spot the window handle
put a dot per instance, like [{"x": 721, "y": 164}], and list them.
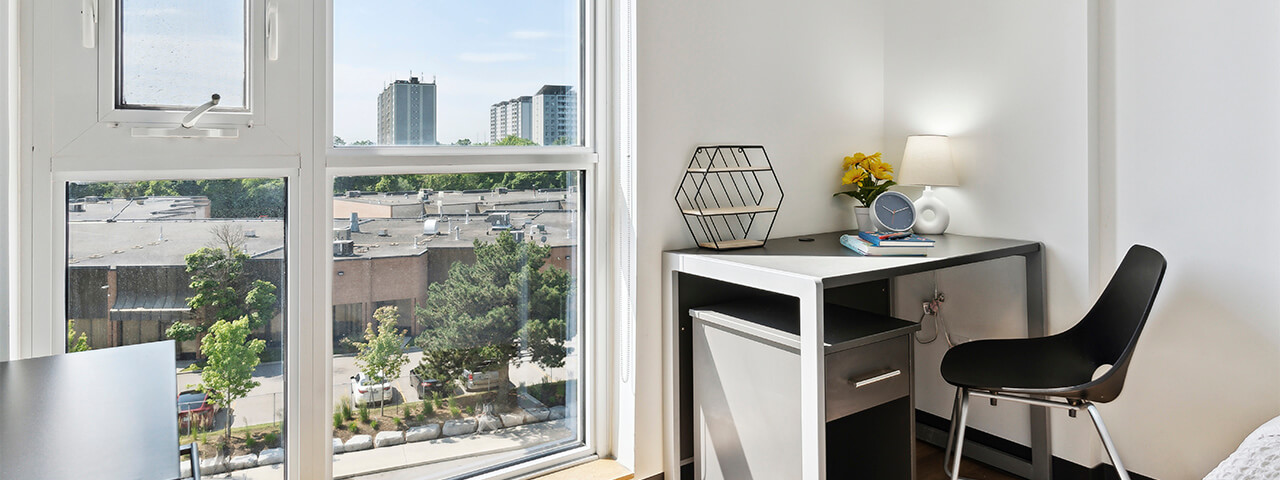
[
  {"x": 273, "y": 31},
  {"x": 89, "y": 23},
  {"x": 193, "y": 117}
]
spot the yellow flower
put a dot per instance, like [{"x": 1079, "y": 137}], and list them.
[
  {"x": 854, "y": 175},
  {"x": 878, "y": 168},
  {"x": 854, "y": 160}
]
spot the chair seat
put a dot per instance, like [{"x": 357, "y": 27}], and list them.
[{"x": 1037, "y": 366}]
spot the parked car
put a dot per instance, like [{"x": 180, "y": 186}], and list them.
[
  {"x": 426, "y": 385},
  {"x": 364, "y": 390},
  {"x": 486, "y": 377},
  {"x": 194, "y": 405}
]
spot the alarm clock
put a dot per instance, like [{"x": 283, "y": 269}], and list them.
[{"x": 893, "y": 211}]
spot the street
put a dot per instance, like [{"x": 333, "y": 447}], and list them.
[{"x": 265, "y": 403}]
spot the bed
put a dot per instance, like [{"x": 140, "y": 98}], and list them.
[{"x": 1257, "y": 457}]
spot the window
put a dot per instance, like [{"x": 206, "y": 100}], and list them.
[
  {"x": 472, "y": 281},
  {"x": 177, "y": 54},
  {"x": 407, "y": 72},
  {"x": 293, "y": 76},
  {"x": 201, "y": 263}
]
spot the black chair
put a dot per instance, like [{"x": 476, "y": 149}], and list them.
[{"x": 1062, "y": 365}]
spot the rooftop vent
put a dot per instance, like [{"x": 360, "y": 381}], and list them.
[
  {"x": 382, "y": 232},
  {"x": 519, "y": 234},
  {"x": 251, "y": 233},
  {"x": 431, "y": 227},
  {"x": 342, "y": 233},
  {"x": 344, "y": 248},
  {"x": 355, "y": 222},
  {"x": 423, "y": 195},
  {"x": 353, "y": 194},
  {"x": 499, "y": 220},
  {"x": 91, "y": 199},
  {"x": 75, "y": 207}
]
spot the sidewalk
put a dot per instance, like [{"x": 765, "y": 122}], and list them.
[{"x": 469, "y": 448}]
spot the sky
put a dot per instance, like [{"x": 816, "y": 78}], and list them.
[{"x": 479, "y": 52}]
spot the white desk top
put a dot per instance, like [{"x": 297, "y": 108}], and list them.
[{"x": 826, "y": 260}]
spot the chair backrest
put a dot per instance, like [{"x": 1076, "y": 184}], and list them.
[{"x": 1109, "y": 332}]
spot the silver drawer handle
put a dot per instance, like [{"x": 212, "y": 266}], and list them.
[{"x": 877, "y": 378}]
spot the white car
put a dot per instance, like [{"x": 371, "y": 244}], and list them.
[{"x": 364, "y": 390}]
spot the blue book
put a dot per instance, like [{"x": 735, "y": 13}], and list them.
[
  {"x": 895, "y": 239},
  {"x": 864, "y": 247}
]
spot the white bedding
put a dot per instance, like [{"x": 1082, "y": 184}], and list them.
[{"x": 1257, "y": 458}]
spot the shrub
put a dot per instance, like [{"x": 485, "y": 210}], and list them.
[
  {"x": 374, "y": 425},
  {"x": 250, "y": 442},
  {"x": 422, "y": 417},
  {"x": 337, "y": 419},
  {"x": 271, "y": 439},
  {"x": 400, "y": 424},
  {"x": 404, "y": 411},
  {"x": 346, "y": 408},
  {"x": 364, "y": 413},
  {"x": 471, "y": 410},
  {"x": 453, "y": 410},
  {"x": 426, "y": 407},
  {"x": 353, "y": 428}
]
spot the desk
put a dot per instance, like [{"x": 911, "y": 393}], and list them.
[
  {"x": 108, "y": 413},
  {"x": 807, "y": 271}
]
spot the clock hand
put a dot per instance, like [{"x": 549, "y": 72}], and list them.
[
  {"x": 900, "y": 209},
  {"x": 886, "y": 209}
]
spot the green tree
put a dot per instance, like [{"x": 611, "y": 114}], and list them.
[
  {"x": 181, "y": 331},
  {"x": 231, "y": 357},
  {"x": 513, "y": 140},
  {"x": 222, "y": 290},
  {"x": 338, "y": 141},
  {"x": 463, "y": 141},
  {"x": 363, "y": 142},
  {"x": 74, "y": 343},
  {"x": 381, "y": 355},
  {"x": 477, "y": 316}
]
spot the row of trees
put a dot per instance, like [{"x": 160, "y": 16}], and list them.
[{"x": 228, "y": 198}]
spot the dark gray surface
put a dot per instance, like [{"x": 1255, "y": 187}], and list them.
[{"x": 101, "y": 414}]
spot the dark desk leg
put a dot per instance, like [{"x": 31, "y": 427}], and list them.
[{"x": 1038, "y": 326}]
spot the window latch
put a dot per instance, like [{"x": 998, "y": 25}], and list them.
[
  {"x": 188, "y": 124},
  {"x": 193, "y": 117},
  {"x": 89, "y": 23}
]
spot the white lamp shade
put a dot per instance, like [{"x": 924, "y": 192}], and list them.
[{"x": 927, "y": 161}]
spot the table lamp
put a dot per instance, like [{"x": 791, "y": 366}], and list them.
[{"x": 927, "y": 161}]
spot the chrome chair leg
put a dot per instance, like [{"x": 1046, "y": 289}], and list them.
[
  {"x": 957, "y": 425},
  {"x": 1106, "y": 440}
]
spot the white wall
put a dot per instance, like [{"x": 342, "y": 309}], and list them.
[
  {"x": 802, "y": 78},
  {"x": 1008, "y": 81},
  {"x": 1196, "y": 150}
]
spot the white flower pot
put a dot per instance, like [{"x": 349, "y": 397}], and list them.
[{"x": 862, "y": 216}]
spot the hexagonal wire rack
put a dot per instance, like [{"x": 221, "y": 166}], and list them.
[{"x": 724, "y": 190}]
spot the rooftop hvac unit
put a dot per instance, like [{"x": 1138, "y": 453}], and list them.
[
  {"x": 423, "y": 195},
  {"x": 353, "y": 194},
  {"x": 251, "y": 233},
  {"x": 75, "y": 207},
  {"x": 382, "y": 232},
  {"x": 431, "y": 227},
  {"x": 344, "y": 248},
  {"x": 342, "y": 234},
  {"x": 519, "y": 234},
  {"x": 502, "y": 219},
  {"x": 541, "y": 227},
  {"x": 91, "y": 199}
]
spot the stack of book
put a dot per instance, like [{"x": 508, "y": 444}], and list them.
[{"x": 894, "y": 244}]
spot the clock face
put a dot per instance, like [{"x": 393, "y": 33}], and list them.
[{"x": 894, "y": 211}]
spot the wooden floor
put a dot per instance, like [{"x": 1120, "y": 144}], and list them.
[{"x": 929, "y": 466}]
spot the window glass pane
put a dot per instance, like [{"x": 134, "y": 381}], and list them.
[
  {"x": 414, "y": 72},
  {"x": 201, "y": 262},
  {"x": 178, "y": 54},
  {"x": 457, "y": 320}
]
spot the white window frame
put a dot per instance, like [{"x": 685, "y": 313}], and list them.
[{"x": 63, "y": 136}]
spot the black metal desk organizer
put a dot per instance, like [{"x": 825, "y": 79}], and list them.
[{"x": 724, "y": 190}]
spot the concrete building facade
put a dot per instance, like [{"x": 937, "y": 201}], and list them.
[
  {"x": 407, "y": 113},
  {"x": 555, "y": 115},
  {"x": 511, "y": 117}
]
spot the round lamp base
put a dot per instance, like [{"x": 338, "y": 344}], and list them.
[{"x": 932, "y": 216}]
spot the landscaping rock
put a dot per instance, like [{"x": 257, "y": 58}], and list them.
[
  {"x": 212, "y": 466},
  {"x": 425, "y": 432},
  {"x": 387, "y": 439},
  {"x": 453, "y": 428},
  {"x": 270, "y": 456},
  {"x": 242, "y": 462},
  {"x": 557, "y": 412},
  {"x": 512, "y": 419},
  {"x": 357, "y": 443},
  {"x": 536, "y": 414},
  {"x": 337, "y": 446},
  {"x": 488, "y": 423}
]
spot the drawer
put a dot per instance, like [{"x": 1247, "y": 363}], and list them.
[{"x": 872, "y": 365}]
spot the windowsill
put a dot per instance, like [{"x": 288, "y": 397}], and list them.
[{"x": 597, "y": 470}]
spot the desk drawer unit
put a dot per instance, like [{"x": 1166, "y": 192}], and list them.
[{"x": 746, "y": 383}]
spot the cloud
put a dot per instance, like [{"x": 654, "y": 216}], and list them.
[
  {"x": 530, "y": 35},
  {"x": 494, "y": 57}
]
